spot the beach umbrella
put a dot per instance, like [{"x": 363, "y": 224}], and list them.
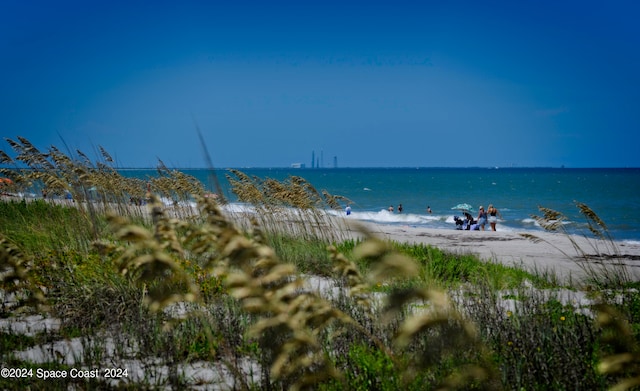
[{"x": 463, "y": 207}]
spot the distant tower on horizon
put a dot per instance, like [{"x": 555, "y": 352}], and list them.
[
  {"x": 313, "y": 159},
  {"x": 335, "y": 162}
]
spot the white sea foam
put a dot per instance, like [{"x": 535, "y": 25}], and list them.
[
  {"x": 386, "y": 217},
  {"x": 450, "y": 219},
  {"x": 530, "y": 221},
  {"x": 239, "y": 208}
]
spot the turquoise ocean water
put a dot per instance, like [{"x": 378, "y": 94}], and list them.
[{"x": 614, "y": 194}]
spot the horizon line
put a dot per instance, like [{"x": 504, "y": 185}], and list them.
[{"x": 379, "y": 167}]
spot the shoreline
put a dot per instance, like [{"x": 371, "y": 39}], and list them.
[{"x": 555, "y": 253}]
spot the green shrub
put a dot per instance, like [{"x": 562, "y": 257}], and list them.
[
  {"x": 366, "y": 368},
  {"x": 540, "y": 344}
]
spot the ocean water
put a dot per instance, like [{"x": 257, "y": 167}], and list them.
[{"x": 614, "y": 194}]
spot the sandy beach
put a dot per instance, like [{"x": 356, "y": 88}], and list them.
[{"x": 555, "y": 254}]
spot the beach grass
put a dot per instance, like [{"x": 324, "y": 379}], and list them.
[{"x": 169, "y": 287}]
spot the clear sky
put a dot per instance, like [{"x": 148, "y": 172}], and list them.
[{"x": 374, "y": 83}]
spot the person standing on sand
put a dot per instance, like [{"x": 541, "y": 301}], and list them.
[
  {"x": 482, "y": 217},
  {"x": 493, "y": 219},
  {"x": 348, "y": 210}
]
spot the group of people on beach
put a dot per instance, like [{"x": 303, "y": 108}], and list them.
[{"x": 488, "y": 216}]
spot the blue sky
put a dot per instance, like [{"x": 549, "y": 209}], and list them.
[{"x": 375, "y": 84}]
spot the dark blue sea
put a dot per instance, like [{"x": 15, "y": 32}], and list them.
[{"x": 614, "y": 194}]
